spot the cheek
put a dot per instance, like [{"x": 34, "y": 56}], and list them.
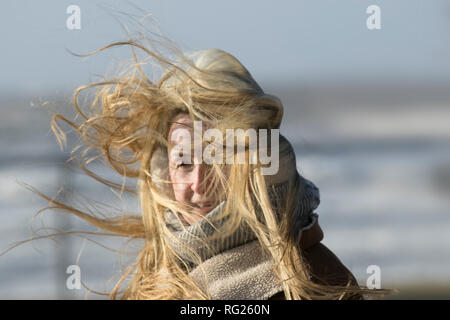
[{"x": 180, "y": 189}]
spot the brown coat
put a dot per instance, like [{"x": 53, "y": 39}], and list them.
[{"x": 324, "y": 264}]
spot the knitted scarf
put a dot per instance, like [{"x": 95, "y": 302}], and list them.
[{"x": 236, "y": 267}]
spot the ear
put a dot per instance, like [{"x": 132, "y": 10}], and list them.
[
  {"x": 269, "y": 110},
  {"x": 287, "y": 163}
]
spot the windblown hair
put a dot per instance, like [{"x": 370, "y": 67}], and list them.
[{"x": 128, "y": 125}]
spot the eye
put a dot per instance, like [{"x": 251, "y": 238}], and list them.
[{"x": 182, "y": 165}]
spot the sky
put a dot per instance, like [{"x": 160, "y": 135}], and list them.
[{"x": 320, "y": 41}]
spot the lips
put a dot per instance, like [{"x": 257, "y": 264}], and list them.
[{"x": 203, "y": 207}]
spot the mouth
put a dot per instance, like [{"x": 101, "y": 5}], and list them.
[{"x": 203, "y": 207}]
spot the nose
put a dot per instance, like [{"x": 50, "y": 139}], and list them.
[{"x": 198, "y": 185}]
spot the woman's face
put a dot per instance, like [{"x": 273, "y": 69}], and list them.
[{"x": 189, "y": 186}]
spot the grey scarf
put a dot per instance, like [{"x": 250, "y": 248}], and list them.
[{"x": 194, "y": 236}]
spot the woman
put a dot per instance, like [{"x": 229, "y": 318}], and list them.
[
  {"x": 237, "y": 269},
  {"x": 213, "y": 229}
]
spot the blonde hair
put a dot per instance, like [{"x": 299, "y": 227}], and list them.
[{"x": 128, "y": 124}]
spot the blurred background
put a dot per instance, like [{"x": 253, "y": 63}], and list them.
[{"x": 367, "y": 110}]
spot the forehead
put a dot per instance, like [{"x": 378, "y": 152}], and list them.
[{"x": 181, "y": 125}]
